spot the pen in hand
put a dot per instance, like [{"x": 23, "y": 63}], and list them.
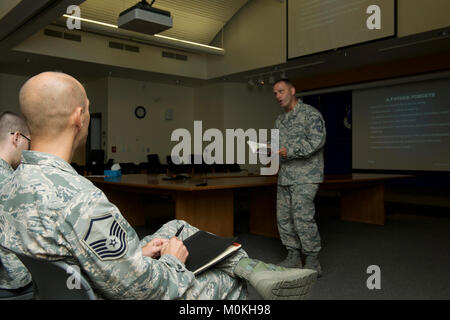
[
  {"x": 175, "y": 247},
  {"x": 179, "y": 231}
]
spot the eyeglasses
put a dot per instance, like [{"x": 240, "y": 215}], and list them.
[{"x": 22, "y": 135}]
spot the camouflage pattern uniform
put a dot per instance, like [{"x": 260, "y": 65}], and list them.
[
  {"x": 5, "y": 170},
  {"x": 13, "y": 274},
  {"x": 302, "y": 133},
  {"x": 49, "y": 211}
]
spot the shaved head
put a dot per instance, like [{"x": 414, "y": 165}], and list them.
[{"x": 48, "y": 100}]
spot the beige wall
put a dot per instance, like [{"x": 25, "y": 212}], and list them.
[
  {"x": 209, "y": 105},
  {"x": 229, "y": 105},
  {"x": 254, "y": 38},
  {"x": 415, "y": 16},
  {"x": 249, "y": 108},
  {"x": 135, "y": 138},
  {"x": 9, "y": 91},
  {"x": 95, "y": 48}
]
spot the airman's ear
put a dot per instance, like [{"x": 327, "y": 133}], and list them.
[
  {"x": 77, "y": 117},
  {"x": 293, "y": 91},
  {"x": 15, "y": 138}
]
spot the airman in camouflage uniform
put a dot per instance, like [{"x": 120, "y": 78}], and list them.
[
  {"x": 13, "y": 131},
  {"x": 302, "y": 137},
  {"x": 59, "y": 214},
  {"x": 49, "y": 211}
]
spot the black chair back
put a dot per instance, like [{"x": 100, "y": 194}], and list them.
[
  {"x": 129, "y": 168},
  {"x": 153, "y": 159},
  {"x": 153, "y": 164},
  {"x": 55, "y": 280},
  {"x": 52, "y": 280}
]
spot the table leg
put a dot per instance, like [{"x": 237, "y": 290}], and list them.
[
  {"x": 208, "y": 210},
  {"x": 363, "y": 204}
]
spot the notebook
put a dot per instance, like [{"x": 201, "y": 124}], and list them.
[{"x": 206, "y": 250}]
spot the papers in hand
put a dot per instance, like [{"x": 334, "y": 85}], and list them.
[{"x": 258, "y": 147}]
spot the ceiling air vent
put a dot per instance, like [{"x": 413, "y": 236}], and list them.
[
  {"x": 181, "y": 57},
  {"x": 121, "y": 46},
  {"x": 72, "y": 37},
  {"x": 62, "y": 35},
  {"x": 171, "y": 55},
  {"x": 132, "y": 48},
  {"x": 53, "y": 33},
  {"x": 116, "y": 45}
]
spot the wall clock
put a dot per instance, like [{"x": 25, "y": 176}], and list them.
[{"x": 140, "y": 112}]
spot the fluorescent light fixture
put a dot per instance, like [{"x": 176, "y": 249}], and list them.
[
  {"x": 91, "y": 21},
  {"x": 156, "y": 35},
  {"x": 188, "y": 42}
]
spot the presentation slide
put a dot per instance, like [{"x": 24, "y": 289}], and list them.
[
  {"x": 321, "y": 25},
  {"x": 402, "y": 127}
]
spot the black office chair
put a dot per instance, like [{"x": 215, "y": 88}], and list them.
[
  {"x": 109, "y": 164},
  {"x": 219, "y": 168},
  {"x": 177, "y": 168},
  {"x": 50, "y": 280},
  {"x": 227, "y": 168},
  {"x": 96, "y": 161},
  {"x": 233, "y": 167},
  {"x": 201, "y": 167},
  {"x": 129, "y": 168},
  {"x": 153, "y": 164}
]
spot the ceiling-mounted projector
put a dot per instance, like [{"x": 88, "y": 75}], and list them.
[{"x": 143, "y": 18}]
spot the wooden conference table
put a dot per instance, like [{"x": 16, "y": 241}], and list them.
[{"x": 210, "y": 207}]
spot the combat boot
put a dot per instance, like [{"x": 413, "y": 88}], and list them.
[
  {"x": 276, "y": 283},
  {"x": 293, "y": 260},
  {"x": 312, "y": 262}
]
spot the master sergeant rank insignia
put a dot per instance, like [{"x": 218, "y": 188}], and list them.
[{"x": 114, "y": 246}]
